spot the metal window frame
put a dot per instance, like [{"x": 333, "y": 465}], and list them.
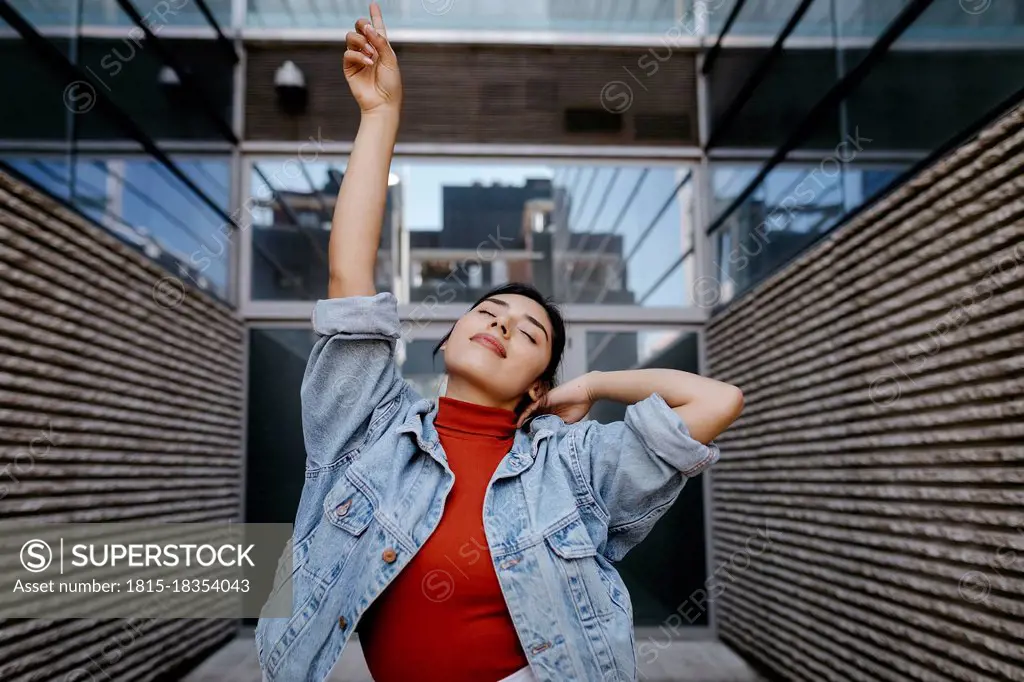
[
  {"x": 756, "y": 155},
  {"x": 482, "y": 152},
  {"x": 580, "y": 318},
  {"x": 116, "y": 32},
  {"x": 250, "y": 308},
  {"x": 597, "y": 41},
  {"x": 543, "y": 38},
  {"x": 120, "y": 147}
]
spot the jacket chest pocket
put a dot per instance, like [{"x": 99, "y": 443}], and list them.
[
  {"x": 348, "y": 512},
  {"x": 575, "y": 555}
]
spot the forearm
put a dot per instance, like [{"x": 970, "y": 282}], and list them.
[
  {"x": 706, "y": 406},
  {"x": 631, "y": 386},
  {"x": 359, "y": 212}
]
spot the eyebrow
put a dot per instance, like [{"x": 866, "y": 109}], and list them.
[{"x": 531, "y": 318}]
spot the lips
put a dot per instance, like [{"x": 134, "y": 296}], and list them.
[{"x": 490, "y": 342}]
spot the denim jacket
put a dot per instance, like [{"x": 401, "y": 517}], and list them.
[{"x": 564, "y": 504}]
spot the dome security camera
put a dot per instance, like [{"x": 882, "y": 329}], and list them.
[
  {"x": 170, "y": 85},
  {"x": 290, "y": 83},
  {"x": 168, "y": 77}
]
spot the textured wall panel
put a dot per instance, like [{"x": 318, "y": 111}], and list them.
[
  {"x": 493, "y": 94},
  {"x": 115, "y": 404},
  {"x": 883, "y": 440}
]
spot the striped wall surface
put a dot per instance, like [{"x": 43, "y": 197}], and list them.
[
  {"x": 120, "y": 400},
  {"x": 882, "y": 445}
]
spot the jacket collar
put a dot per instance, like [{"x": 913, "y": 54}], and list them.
[{"x": 419, "y": 422}]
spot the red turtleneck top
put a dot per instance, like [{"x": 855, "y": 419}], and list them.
[{"x": 443, "y": 617}]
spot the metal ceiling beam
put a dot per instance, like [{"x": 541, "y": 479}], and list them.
[
  {"x": 72, "y": 74},
  {"x": 838, "y": 92},
  {"x": 756, "y": 77},
  {"x": 712, "y": 55}
]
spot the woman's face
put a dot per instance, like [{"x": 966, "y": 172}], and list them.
[{"x": 501, "y": 346}]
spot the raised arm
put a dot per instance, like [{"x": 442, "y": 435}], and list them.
[
  {"x": 371, "y": 70},
  {"x": 352, "y": 373},
  {"x": 706, "y": 406},
  {"x": 636, "y": 468}
]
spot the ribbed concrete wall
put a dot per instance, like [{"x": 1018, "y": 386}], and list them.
[
  {"x": 115, "y": 404},
  {"x": 882, "y": 444}
]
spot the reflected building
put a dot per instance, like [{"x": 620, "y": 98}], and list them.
[
  {"x": 291, "y": 236},
  {"x": 498, "y": 233}
]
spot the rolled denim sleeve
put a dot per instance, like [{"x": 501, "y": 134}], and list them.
[
  {"x": 350, "y": 373},
  {"x": 637, "y": 468}
]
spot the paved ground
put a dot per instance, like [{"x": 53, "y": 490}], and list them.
[{"x": 689, "y": 661}]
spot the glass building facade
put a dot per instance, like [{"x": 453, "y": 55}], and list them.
[
  {"x": 596, "y": 234},
  {"x": 135, "y": 113}
]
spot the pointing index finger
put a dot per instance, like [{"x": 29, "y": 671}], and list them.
[{"x": 377, "y": 19}]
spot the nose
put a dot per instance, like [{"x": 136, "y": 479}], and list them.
[{"x": 503, "y": 324}]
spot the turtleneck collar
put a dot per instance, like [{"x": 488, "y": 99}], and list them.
[{"x": 477, "y": 420}]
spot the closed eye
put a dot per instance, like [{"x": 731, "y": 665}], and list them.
[
  {"x": 487, "y": 312},
  {"x": 532, "y": 340}
]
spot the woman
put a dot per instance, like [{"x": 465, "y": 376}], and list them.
[{"x": 471, "y": 537}]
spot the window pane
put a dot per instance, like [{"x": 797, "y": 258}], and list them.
[
  {"x": 144, "y": 87},
  {"x": 790, "y": 209},
  {"x": 590, "y": 234},
  {"x": 56, "y": 13},
  {"x": 637, "y": 16},
  {"x": 144, "y": 204},
  {"x": 275, "y": 449},
  {"x": 291, "y": 207},
  {"x": 986, "y": 20},
  {"x": 454, "y": 229}
]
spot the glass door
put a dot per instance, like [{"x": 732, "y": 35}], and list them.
[{"x": 668, "y": 568}]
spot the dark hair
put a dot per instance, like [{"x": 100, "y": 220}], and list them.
[{"x": 547, "y": 377}]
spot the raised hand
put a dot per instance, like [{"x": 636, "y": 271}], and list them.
[
  {"x": 371, "y": 67},
  {"x": 571, "y": 402}
]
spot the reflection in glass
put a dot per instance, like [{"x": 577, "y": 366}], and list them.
[
  {"x": 767, "y": 115},
  {"x": 891, "y": 111},
  {"x": 790, "y": 209},
  {"x": 56, "y": 13},
  {"x": 453, "y": 230},
  {"x": 128, "y": 192},
  {"x": 291, "y": 208},
  {"x": 993, "y": 21},
  {"x": 140, "y": 201},
  {"x": 636, "y": 16},
  {"x": 594, "y": 234}
]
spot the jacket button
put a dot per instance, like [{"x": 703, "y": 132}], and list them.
[
  {"x": 342, "y": 623},
  {"x": 389, "y": 555}
]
